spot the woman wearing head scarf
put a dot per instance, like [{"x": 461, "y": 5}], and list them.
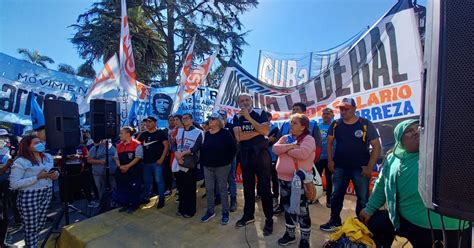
[
  {"x": 31, "y": 174},
  {"x": 406, "y": 215},
  {"x": 295, "y": 153}
]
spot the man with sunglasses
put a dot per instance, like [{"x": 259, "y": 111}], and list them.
[{"x": 352, "y": 161}]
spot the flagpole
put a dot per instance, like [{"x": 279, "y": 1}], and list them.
[{"x": 194, "y": 105}]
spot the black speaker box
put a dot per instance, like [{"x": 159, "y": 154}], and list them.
[
  {"x": 446, "y": 177},
  {"x": 61, "y": 124},
  {"x": 105, "y": 119}
]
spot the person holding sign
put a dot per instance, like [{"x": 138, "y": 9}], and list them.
[{"x": 250, "y": 128}]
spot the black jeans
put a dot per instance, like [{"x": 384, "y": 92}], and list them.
[
  {"x": 384, "y": 233},
  {"x": 186, "y": 184},
  {"x": 4, "y": 194},
  {"x": 275, "y": 181},
  {"x": 323, "y": 165},
  {"x": 167, "y": 174},
  {"x": 256, "y": 161}
]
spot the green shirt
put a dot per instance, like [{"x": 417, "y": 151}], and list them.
[{"x": 397, "y": 185}]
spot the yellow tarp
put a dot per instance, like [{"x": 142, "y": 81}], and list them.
[{"x": 356, "y": 231}]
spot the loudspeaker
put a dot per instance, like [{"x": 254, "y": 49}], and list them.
[
  {"x": 446, "y": 176},
  {"x": 61, "y": 124},
  {"x": 105, "y": 119}
]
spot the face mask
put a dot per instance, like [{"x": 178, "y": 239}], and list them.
[
  {"x": 40, "y": 147},
  {"x": 3, "y": 143}
]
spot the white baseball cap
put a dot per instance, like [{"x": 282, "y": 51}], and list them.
[{"x": 3, "y": 132}]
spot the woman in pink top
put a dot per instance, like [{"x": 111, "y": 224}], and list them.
[{"x": 296, "y": 149}]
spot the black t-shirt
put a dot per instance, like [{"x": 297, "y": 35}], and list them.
[
  {"x": 218, "y": 149},
  {"x": 260, "y": 116},
  {"x": 352, "y": 142},
  {"x": 229, "y": 126},
  {"x": 153, "y": 145}
]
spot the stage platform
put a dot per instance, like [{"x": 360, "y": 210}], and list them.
[{"x": 150, "y": 227}]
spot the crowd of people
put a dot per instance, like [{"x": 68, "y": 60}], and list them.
[{"x": 275, "y": 162}]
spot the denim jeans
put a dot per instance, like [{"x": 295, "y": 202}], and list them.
[
  {"x": 340, "y": 179},
  {"x": 150, "y": 170},
  {"x": 231, "y": 180},
  {"x": 101, "y": 182},
  {"x": 217, "y": 176}
]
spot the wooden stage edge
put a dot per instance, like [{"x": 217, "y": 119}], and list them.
[{"x": 151, "y": 227}]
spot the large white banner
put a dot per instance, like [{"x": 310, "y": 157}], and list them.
[
  {"x": 382, "y": 71},
  {"x": 20, "y": 80}
]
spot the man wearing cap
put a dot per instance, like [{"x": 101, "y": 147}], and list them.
[
  {"x": 322, "y": 164},
  {"x": 352, "y": 160},
  {"x": 155, "y": 147}
]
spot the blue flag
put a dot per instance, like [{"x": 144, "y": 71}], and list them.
[
  {"x": 37, "y": 117},
  {"x": 132, "y": 116},
  {"x": 148, "y": 109}
]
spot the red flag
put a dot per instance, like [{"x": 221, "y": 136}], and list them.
[{"x": 143, "y": 91}]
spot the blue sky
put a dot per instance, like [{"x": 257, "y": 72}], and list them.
[{"x": 287, "y": 26}]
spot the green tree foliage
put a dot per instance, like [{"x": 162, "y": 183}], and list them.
[
  {"x": 86, "y": 70},
  {"x": 98, "y": 37},
  {"x": 66, "y": 69},
  {"x": 162, "y": 32}
]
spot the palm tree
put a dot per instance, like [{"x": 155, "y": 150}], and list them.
[{"x": 35, "y": 57}]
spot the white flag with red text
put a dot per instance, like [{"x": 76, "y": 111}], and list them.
[
  {"x": 184, "y": 74},
  {"x": 192, "y": 80},
  {"x": 128, "y": 77},
  {"x": 107, "y": 80},
  {"x": 197, "y": 77}
]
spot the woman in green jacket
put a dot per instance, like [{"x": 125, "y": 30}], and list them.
[{"x": 406, "y": 215}]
